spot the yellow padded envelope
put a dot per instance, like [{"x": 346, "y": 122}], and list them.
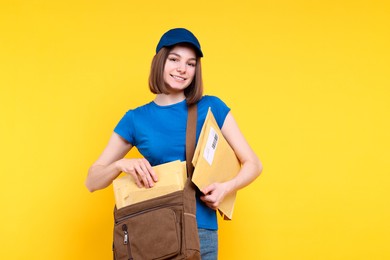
[
  {"x": 215, "y": 161},
  {"x": 171, "y": 177}
]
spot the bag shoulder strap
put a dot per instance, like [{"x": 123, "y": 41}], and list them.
[{"x": 190, "y": 137}]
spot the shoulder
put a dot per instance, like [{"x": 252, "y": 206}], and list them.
[
  {"x": 132, "y": 114},
  {"x": 140, "y": 109},
  {"x": 213, "y": 102},
  {"x": 128, "y": 124},
  {"x": 217, "y": 106},
  {"x": 210, "y": 98}
]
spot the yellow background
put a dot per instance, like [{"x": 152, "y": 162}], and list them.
[{"x": 308, "y": 83}]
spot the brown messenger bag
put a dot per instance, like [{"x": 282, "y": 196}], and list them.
[{"x": 164, "y": 227}]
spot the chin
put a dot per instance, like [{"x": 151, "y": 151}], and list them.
[{"x": 178, "y": 88}]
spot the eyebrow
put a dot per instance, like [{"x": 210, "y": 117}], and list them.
[{"x": 180, "y": 56}]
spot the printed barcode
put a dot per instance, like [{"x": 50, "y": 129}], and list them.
[
  {"x": 215, "y": 141},
  {"x": 211, "y": 146}
]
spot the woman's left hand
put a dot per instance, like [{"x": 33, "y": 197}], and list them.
[{"x": 215, "y": 193}]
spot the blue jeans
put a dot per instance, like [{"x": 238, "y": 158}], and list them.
[{"x": 208, "y": 244}]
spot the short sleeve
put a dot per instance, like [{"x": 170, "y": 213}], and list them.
[
  {"x": 219, "y": 109},
  {"x": 125, "y": 127}
]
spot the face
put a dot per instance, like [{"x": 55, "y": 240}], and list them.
[{"x": 179, "y": 69}]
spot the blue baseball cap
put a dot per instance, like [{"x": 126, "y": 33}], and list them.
[{"x": 179, "y": 35}]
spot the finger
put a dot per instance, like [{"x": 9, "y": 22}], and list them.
[
  {"x": 143, "y": 176},
  {"x": 210, "y": 200},
  {"x": 137, "y": 180},
  {"x": 208, "y": 189},
  {"x": 147, "y": 174},
  {"x": 151, "y": 175},
  {"x": 150, "y": 170},
  {"x": 210, "y": 205},
  {"x": 207, "y": 199},
  {"x": 133, "y": 174}
]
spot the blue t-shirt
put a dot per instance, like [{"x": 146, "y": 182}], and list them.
[{"x": 159, "y": 133}]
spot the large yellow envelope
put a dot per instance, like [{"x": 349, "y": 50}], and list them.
[
  {"x": 171, "y": 177},
  {"x": 215, "y": 161}
]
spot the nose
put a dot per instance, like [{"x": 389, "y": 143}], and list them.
[{"x": 181, "y": 67}]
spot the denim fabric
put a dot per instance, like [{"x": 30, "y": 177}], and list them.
[{"x": 208, "y": 244}]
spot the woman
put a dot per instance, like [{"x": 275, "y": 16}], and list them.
[{"x": 158, "y": 130}]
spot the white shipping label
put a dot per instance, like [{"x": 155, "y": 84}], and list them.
[{"x": 211, "y": 146}]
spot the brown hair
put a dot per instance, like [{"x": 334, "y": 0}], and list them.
[{"x": 193, "y": 92}]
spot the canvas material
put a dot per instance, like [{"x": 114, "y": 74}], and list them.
[{"x": 164, "y": 227}]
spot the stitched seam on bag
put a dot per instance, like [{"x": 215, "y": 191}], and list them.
[{"x": 189, "y": 214}]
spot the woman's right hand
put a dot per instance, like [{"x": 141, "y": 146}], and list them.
[
  {"x": 112, "y": 162},
  {"x": 140, "y": 169}
]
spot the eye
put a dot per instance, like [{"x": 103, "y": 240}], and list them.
[
  {"x": 172, "y": 59},
  {"x": 192, "y": 64}
]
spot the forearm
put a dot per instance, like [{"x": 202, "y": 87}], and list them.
[
  {"x": 251, "y": 166},
  {"x": 106, "y": 168},
  {"x": 249, "y": 171},
  {"x": 101, "y": 176}
]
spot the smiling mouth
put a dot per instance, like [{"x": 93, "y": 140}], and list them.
[{"x": 178, "y": 78}]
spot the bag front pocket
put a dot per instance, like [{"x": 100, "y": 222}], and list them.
[
  {"x": 191, "y": 237},
  {"x": 153, "y": 234}
]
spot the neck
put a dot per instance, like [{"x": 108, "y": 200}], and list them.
[{"x": 169, "y": 99}]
